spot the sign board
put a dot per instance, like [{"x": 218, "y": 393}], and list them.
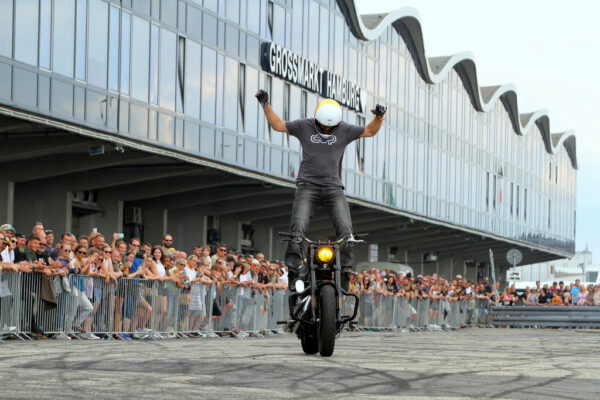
[
  {"x": 514, "y": 276},
  {"x": 301, "y": 71},
  {"x": 514, "y": 256},
  {"x": 373, "y": 252}
]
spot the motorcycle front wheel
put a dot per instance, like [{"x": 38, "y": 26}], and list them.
[{"x": 327, "y": 321}]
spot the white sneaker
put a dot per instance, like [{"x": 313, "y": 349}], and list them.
[
  {"x": 91, "y": 336},
  {"x": 8, "y": 329}
]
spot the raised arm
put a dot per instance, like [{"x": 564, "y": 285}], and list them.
[
  {"x": 274, "y": 120},
  {"x": 373, "y": 127}
]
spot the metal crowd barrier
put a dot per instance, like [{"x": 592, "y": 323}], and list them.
[
  {"x": 89, "y": 307},
  {"x": 546, "y": 316},
  {"x": 380, "y": 312}
]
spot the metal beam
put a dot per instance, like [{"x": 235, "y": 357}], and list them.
[
  {"x": 110, "y": 177},
  {"x": 34, "y": 149},
  {"x": 48, "y": 167},
  {"x": 212, "y": 197},
  {"x": 266, "y": 216},
  {"x": 169, "y": 186},
  {"x": 252, "y": 203}
]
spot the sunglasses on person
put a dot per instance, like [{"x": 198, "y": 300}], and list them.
[
  {"x": 221, "y": 249},
  {"x": 107, "y": 251},
  {"x": 81, "y": 252}
]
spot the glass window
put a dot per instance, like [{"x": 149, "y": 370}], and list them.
[
  {"x": 232, "y": 12},
  {"x": 168, "y": 57},
  {"x": 220, "y": 75},
  {"x": 45, "y": 33},
  {"x": 140, "y": 53},
  {"x": 192, "y": 79},
  {"x": 98, "y": 43},
  {"x": 278, "y": 24},
  {"x": 251, "y": 112},
  {"x": 154, "y": 57},
  {"x": 241, "y": 96},
  {"x": 324, "y": 37},
  {"x": 80, "y": 34},
  {"x": 125, "y": 51},
  {"x": 231, "y": 39},
  {"x": 230, "y": 92},
  {"x": 212, "y": 5},
  {"x": 209, "y": 84},
  {"x": 63, "y": 40},
  {"x": 168, "y": 13},
  {"x": 113, "y": 50},
  {"x": 26, "y": 31},
  {"x": 6, "y": 19},
  {"x": 313, "y": 32},
  {"x": 209, "y": 29},
  {"x": 180, "y": 83},
  {"x": 254, "y": 18},
  {"x": 297, "y": 27}
]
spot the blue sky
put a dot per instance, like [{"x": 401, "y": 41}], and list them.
[{"x": 550, "y": 50}]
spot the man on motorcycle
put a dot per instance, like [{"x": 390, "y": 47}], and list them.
[{"x": 323, "y": 139}]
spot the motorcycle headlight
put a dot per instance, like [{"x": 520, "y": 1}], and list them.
[{"x": 325, "y": 254}]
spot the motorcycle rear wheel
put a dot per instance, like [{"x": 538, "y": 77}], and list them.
[{"x": 327, "y": 321}]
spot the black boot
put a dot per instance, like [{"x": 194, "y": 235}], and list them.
[
  {"x": 295, "y": 273},
  {"x": 345, "y": 275}
]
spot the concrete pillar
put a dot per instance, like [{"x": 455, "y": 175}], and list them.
[
  {"x": 231, "y": 231},
  {"x": 44, "y": 201},
  {"x": 7, "y": 201},
  {"x": 265, "y": 240},
  {"x": 188, "y": 227}
]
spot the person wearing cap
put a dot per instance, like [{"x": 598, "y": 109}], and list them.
[
  {"x": 323, "y": 139},
  {"x": 8, "y": 253}
]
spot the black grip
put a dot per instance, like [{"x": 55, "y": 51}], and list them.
[
  {"x": 286, "y": 234},
  {"x": 360, "y": 235}
]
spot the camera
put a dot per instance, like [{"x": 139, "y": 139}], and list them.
[{"x": 120, "y": 235}]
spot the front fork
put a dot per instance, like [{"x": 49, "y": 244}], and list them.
[{"x": 314, "y": 287}]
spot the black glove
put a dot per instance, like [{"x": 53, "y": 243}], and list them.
[
  {"x": 263, "y": 97},
  {"x": 379, "y": 110}
]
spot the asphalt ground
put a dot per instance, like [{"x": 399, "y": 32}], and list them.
[{"x": 470, "y": 363}]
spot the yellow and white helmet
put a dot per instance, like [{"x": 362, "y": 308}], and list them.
[{"x": 328, "y": 113}]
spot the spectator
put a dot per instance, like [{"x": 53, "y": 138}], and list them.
[
  {"x": 7, "y": 264},
  {"x": 134, "y": 245},
  {"x": 147, "y": 247},
  {"x": 167, "y": 244},
  {"x": 38, "y": 230},
  {"x": 596, "y": 297},
  {"x": 84, "y": 241},
  {"x": 220, "y": 253},
  {"x": 545, "y": 297},
  {"x": 49, "y": 238},
  {"x": 575, "y": 291},
  {"x": 582, "y": 296}
]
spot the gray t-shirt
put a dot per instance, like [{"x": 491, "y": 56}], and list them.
[{"x": 322, "y": 158}]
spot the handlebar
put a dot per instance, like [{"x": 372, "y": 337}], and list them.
[{"x": 347, "y": 239}]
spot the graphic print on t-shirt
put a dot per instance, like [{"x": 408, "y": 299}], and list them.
[{"x": 316, "y": 138}]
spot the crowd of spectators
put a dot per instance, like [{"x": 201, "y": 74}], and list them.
[
  {"x": 111, "y": 260},
  {"x": 434, "y": 287},
  {"x": 114, "y": 258}
]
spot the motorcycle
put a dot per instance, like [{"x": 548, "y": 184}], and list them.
[{"x": 316, "y": 301}]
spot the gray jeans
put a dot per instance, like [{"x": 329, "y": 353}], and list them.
[{"x": 308, "y": 197}]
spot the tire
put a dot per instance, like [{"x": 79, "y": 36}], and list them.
[
  {"x": 327, "y": 321},
  {"x": 310, "y": 344}
]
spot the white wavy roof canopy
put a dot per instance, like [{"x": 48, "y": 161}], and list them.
[{"x": 434, "y": 69}]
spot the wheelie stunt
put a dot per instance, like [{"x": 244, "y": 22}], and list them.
[{"x": 323, "y": 139}]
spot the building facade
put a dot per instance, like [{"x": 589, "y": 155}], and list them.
[{"x": 177, "y": 78}]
